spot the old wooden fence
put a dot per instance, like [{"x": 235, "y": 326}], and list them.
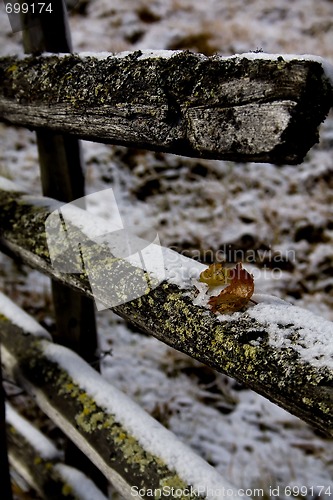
[{"x": 250, "y": 107}]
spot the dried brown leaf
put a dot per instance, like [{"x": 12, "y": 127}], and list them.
[{"x": 236, "y": 295}]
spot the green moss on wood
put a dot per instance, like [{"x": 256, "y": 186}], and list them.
[{"x": 125, "y": 448}]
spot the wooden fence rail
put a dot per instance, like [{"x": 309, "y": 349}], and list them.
[
  {"x": 134, "y": 451},
  {"x": 40, "y": 463},
  {"x": 242, "y": 108},
  {"x": 279, "y": 350}
]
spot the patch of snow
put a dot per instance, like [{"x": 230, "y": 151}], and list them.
[
  {"x": 95, "y": 55},
  {"x": 80, "y": 484},
  {"x": 314, "y": 342},
  {"x": 145, "y": 54},
  {"x": 8, "y": 185},
  {"x": 44, "y": 202},
  {"x": 164, "y": 54},
  {"x": 20, "y": 318},
  {"x": 201, "y": 299},
  {"x": 268, "y": 299},
  {"x": 43, "y": 445}
]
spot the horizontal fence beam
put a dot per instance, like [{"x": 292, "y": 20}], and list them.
[
  {"x": 40, "y": 463},
  {"x": 281, "y": 351},
  {"x": 249, "y": 107},
  {"x": 134, "y": 452}
]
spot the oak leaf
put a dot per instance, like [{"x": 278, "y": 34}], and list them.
[{"x": 236, "y": 295}]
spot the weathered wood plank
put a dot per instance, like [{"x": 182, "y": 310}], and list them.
[
  {"x": 134, "y": 451},
  {"x": 267, "y": 347},
  {"x": 40, "y": 463},
  {"x": 249, "y": 107}
]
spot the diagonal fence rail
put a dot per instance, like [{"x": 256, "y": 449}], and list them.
[
  {"x": 40, "y": 463},
  {"x": 281, "y": 351},
  {"x": 134, "y": 452}
]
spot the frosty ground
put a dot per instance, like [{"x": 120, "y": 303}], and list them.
[{"x": 279, "y": 217}]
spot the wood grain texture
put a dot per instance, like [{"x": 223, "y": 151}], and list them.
[{"x": 237, "y": 108}]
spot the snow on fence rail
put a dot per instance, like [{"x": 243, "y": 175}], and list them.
[
  {"x": 281, "y": 351},
  {"x": 40, "y": 463},
  {"x": 134, "y": 452},
  {"x": 249, "y": 107}
]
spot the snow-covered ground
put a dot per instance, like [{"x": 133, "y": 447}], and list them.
[{"x": 280, "y": 218}]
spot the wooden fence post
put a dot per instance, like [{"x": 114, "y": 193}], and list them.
[{"x": 63, "y": 179}]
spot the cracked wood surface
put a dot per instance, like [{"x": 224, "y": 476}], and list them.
[{"x": 240, "y": 108}]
